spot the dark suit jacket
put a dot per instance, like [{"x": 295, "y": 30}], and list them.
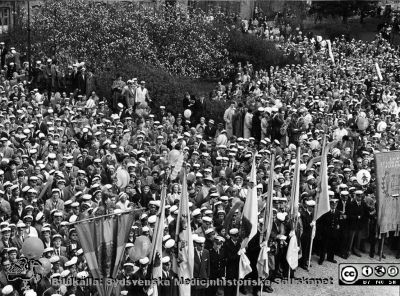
[
  {"x": 172, "y": 289},
  {"x": 328, "y": 223},
  {"x": 357, "y": 215},
  {"x": 232, "y": 265},
  {"x": 136, "y": 290},
  {"x": 201, "y": 268},
  {"x": 217, "y": 263},
  {"x": 306, "y": 219},
  {"x": 81, "y": 81}
]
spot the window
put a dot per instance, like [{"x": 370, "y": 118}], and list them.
[{"x": 4, "y": 19}]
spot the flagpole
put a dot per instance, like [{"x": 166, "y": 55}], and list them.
[
  {"x": 294, "y": 206},
  {"x": 267, "y": 209},
  {"x": 107, "y": 215},
  {"x": 252, "y": 187},
  {"x": 314, "y": 229}
]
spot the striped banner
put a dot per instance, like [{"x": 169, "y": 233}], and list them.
[{"x": 103, "y": 242}]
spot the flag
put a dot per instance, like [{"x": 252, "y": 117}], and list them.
[
  {"x": 156, "y": 250},
  {"x": 268, "y": 215},
  {"x": 177, "y": 166},
  {"x": 249, "y": 221},
  {"x": 103, "y": 242},
  {"x": 244, "y": 264},
  {"x": 250, "y": 209},
  {"x": 387, "y": 185},
  {"x": 294, "y": 196},
  {"x": 184, "y": 236},
  {"x": 262, "y": 260},
  {"x": 322, "y": 206},
  {"x": 292, "y": 255},
  {"x": 378, "y": 71},
  {"x": 330, "y": 50}
]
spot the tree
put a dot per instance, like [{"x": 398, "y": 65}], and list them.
[
  {"x": 344, "y": 9},
  {"x": 107, "y": 35}
]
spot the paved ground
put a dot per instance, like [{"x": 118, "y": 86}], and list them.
[{"x": 331, "y": 270}]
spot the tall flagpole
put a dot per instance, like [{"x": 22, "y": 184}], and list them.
[
  {"x": 314, "y": 229},
  {"x": 265, "y": 233},
  {"x": 249, "y": 197},
  {"x": 294, "y": 202}
]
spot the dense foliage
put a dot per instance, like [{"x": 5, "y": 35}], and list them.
[{"x": 102, "y": 35}]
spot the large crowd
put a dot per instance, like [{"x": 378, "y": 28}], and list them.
[{"x": 62, "y": 151}]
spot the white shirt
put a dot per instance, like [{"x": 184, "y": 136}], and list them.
[{"x": 141, "y": 95}]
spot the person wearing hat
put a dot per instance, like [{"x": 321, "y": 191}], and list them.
[
  {"x": 308, "y": 224},
  {"x": 201, "y": 269},
  {"x": 168, "y": 275},
  {"x": 210, "y": 130},
  {"x": 143, "y": 273},
  {"x": 218, "y": 261},
  {"x": 329, "y": 230},
  {"x": 5, "y": 241},
  {"x": 232, "y": 247},
  {"x": 12, "y": 254},
  {"x": 59, "y": 249},
  {"x": 357, "y": 217},
  {"x": 55, "y": 202}
]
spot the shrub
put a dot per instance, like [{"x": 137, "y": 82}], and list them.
[
  {"x": 259, "y": 52},
  {"x": 165, "y": 89},
  {"x": 102, "y": 35}
]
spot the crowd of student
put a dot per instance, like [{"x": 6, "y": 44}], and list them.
[{"x": 64, "y": 154}]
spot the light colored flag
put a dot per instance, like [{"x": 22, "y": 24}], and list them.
[
  {"x": 103, "y": 242},
  {"x": 322, "y": 206},
  {"x": 378, "y": 71},
  {"x": 184, "y": 236},
  {"x": 262, "y": 260},
  {"x": 294, "y": 196},
  {"x": 249, "y": 221},
  {"x": 177, "y": 166},
  {"x": 292, "y": 255},
  {"x": 156, "y": 248},
  {"x": 330, "y": 50}
]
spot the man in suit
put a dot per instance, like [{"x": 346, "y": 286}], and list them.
[
  {"x": 357, "y": 214},
  {"x": 5, "y": 241},
  {"x": 210, "y": 130},
  {"x": 329, "y": 232},
  {"x": 217, "y": 263},
  {"x": 55, "y": 201},
  {"x": 201, "y": 268},
  {"x": 307, "y": 217},
  {"x": 143, "y": 273},
  {"x": 343, "y": 208},
  {"x": 232, "y": 247},
  {"x": 81, "y": 81},
  {"x": 169, "y": 288}
]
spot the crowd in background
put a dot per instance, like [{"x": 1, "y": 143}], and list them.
[{"x": 64, "y": 153}]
